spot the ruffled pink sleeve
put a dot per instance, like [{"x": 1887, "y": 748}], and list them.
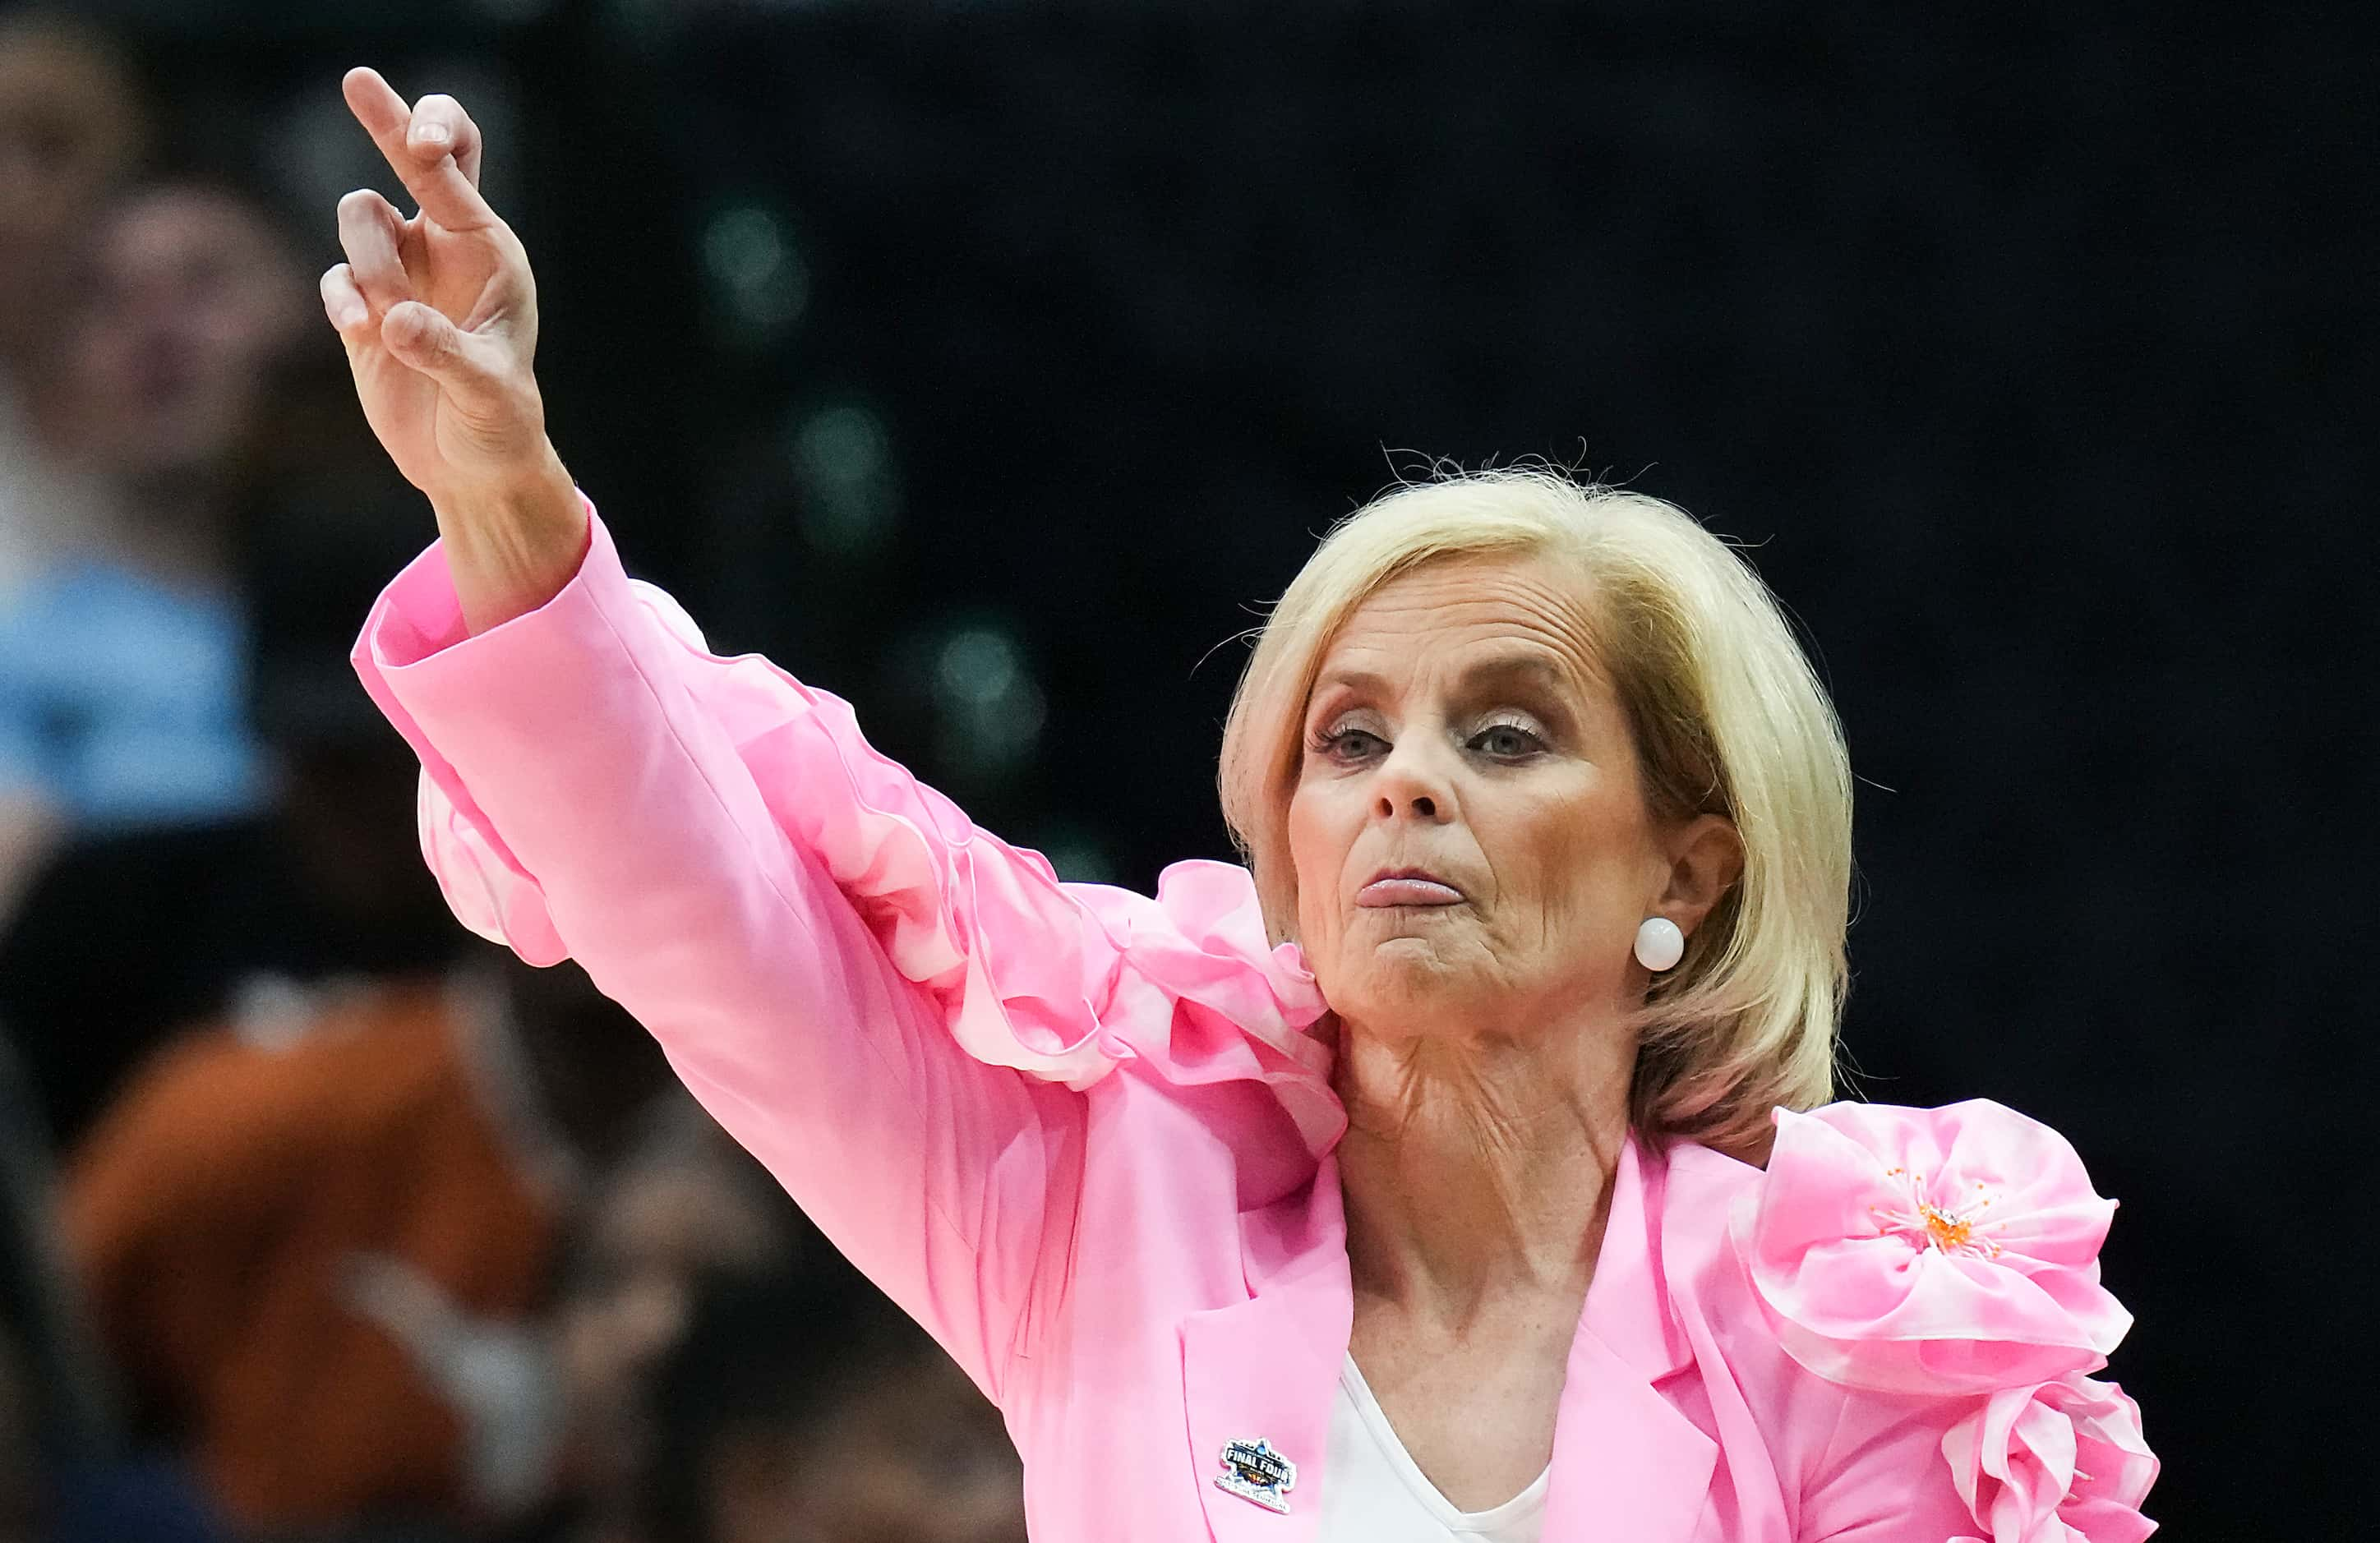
[
  {"x": 1947, "y": 1262},
  {"x": 849, "y": 973},
  {"x": 1013, "y": 958}
]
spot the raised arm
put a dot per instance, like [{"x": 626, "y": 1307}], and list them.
[{"x": 818, "y": 940}]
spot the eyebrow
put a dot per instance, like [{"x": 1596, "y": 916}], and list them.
[{"x": 1535, "y": 668}]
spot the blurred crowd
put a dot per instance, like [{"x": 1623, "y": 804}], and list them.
[{"x": 325, "y": 1221}]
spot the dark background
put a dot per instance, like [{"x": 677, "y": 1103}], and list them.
[{"x": 986, "y": 363}]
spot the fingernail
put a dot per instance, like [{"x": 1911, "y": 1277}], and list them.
[
  {"x": 351, "y": 315},
  {"x": 433, "y": 134}
]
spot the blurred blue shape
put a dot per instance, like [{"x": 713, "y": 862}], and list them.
[{"x": 131, "y": 1502}]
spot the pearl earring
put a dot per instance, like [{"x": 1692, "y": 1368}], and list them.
[{"x": 1659, "y": 944}]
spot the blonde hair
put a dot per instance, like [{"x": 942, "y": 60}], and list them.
[{"x": 1728, "y": 718}]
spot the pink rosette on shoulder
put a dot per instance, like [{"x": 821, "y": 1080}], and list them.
[
  {"x": 1943, "y": 1251},
  {"x": 2062, "y": 1462}
]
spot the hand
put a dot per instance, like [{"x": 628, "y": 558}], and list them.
[{"x": 438, "y": 314}]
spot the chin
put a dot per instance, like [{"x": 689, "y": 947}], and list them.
[{"x": 1404, "y": 975}]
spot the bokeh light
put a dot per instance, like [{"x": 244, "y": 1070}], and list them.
[
  {"x": 990, "y": 708},
  {"x": 843, "y": 462},
  {"x": 1080, "y": 854},
  {"x": 760, "y": 282}
]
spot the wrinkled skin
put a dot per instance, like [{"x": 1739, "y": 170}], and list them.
[{"x": 1489, "y": 748}]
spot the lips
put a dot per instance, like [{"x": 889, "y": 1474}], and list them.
[{"x": 1407, "y": 886}]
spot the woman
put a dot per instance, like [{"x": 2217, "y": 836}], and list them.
[{"x": 1393, "y": 1188}]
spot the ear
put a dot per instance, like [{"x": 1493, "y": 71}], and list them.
[{"x": 1705, "y": 859}]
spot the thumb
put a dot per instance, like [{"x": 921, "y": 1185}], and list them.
[{"x": 422, "y": 338}]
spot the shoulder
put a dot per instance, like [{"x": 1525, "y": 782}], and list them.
[
  {"x": 1202, "y": 938},
  {"x": 226, "y": 1112},
  {"x": 1200, "y": 945},
  {"x": 1202, "y": 998},
  {"x": 1931, "y": 1276},
  {"x": 343, "y": 1065},
  {"x": 1929, "y": 1250}
]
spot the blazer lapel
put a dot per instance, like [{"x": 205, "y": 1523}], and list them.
[
  {"x": 1267, "y": 1370},
  {"x": 1627, "y": 1464}
]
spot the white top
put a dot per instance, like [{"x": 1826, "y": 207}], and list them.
[{"x": 1377, "y": 1494}]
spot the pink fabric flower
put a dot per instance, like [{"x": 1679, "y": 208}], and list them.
[
  {"x": 1950, "y": 1250},
  {"x": 2063, "y": 1461}
]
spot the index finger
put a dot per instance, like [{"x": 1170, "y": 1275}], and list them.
[{"x": 438, "y": 186}]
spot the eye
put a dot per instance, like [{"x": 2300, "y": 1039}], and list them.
[
  {"x": 1345, "y": 745},
  {"x": 1507, "y": 741}
]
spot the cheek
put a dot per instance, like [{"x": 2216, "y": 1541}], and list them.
[
  {"x": 1316, "y": 852},
  {"x": 1567, "y": 862}
]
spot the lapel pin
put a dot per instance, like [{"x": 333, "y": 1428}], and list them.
[{"x": 1253, "y": 1471}]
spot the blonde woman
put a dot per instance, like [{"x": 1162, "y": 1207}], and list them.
[{"x": 1400, "y": 1185}]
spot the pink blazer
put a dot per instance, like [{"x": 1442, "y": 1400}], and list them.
[{"x": 1085, "y": 1135}]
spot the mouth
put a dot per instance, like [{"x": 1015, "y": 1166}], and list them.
[{"x": 1407, "y": 886}]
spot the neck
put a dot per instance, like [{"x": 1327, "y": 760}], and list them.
[{"x": 1477, "y": 1166}]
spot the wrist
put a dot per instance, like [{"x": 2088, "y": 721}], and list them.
[{"x": 513, "y": 544}]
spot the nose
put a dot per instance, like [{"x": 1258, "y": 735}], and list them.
[
  {"x": 1422, "y": 805},
  {"x": 1410, "y": 788}
]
